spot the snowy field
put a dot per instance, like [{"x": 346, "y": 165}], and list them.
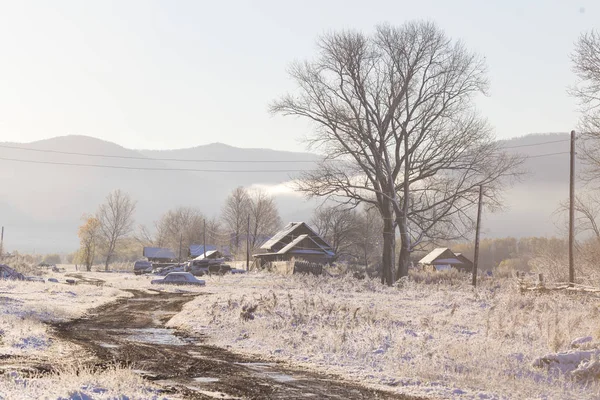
[
  {"x": 24, "y": 309},
  {"x": 438, "y": 340},
  {"x": 434, "y": 340}
]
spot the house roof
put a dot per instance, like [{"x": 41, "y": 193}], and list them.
[
  {"x": 441, "y": 255},
  {"x": 198, "y": 249},
  {"x": 158, "y": 252},
  {"x": 289, "y": 229},
  {"x": 464, "y": 259},
  {"x": 208, "y": 254},
  {"x": 294, "y": 247}
]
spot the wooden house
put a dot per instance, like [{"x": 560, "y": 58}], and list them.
[{"x": 296, "y": 241}]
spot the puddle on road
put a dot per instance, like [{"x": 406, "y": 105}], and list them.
[
  {"x": 215, "y": 395},
  {"x": 206, "y": 379},
  {"x": 282, "y": 378},
  {"x": 109, "y": 345},
  {"x": 264, "y": 370},
  {"x": 155, "y": 336}
]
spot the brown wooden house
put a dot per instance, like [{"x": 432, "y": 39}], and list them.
[{"x": 295, "y": 241}]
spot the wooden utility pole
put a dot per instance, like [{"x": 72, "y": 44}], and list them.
[
  {"x": 248, "y": 245},
  {"x": 180, "y": 240},
  {"x": 477, "y": 228},
  {"x": 2, "y": 243},
  {"x": 204, "y": 238},
  {"x": 572, "y": 211}
]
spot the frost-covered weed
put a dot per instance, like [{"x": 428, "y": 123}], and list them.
[
  {"x": 79, "y": 382},
  {"x": 415, "y": 338}
]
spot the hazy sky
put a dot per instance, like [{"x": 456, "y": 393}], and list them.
[{"x": 169, "y": 74}]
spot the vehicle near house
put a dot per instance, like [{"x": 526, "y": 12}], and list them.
[
  {"x": 202, "y": 266},
  {"x": 142, "y": 267},
  {"x": 178, "y": 278}
]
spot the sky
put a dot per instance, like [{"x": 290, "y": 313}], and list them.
[{"x": 173, "y": 74}]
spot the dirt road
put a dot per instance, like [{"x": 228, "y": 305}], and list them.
[{"x": 131, "y": 331}]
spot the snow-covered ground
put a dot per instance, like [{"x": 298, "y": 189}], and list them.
[
  {"x": 24, "y": 309},
  {"x": 439, "y": 340}
]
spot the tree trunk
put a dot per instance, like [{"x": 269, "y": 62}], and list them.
[
  {"x": 404, "y": 257},
  {"x": 402, "y": 219},
  {"x": 389, "y": 245}
]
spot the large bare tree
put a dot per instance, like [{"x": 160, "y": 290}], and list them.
[
  {"x": 586, "y": 65},
  {"x": 115, "y": 216},
  {"x": 393, "y": 111}
]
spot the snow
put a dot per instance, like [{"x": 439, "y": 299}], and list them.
[
  {"x": 437, "y": 340},
  {"x": 25, "y": 307}
]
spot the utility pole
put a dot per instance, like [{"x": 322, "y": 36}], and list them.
[
  {"x": 572, "y": 211},
  {"x": 2, "y": 243},
  {"x": 204, "y": 238},
  {"x": 180, "y": 240},
  {"x": 248, "y": 245},
  {"x": 477, "y": 228}
]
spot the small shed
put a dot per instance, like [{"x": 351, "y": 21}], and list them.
[
  {"x": 159, "y": 254},
  {"x": 296, "y": 241},
  {"x": 441, "y": 259}
]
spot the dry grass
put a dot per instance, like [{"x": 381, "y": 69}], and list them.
[
  {"x": 446, "y": 340},
  {"x": 69, "y": 382}
]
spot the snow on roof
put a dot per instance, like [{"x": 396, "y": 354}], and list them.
[
  {"x": 441, "y": 255},
  {"x": 292, "y": 244},
  {"x": 158, "y": 252},
  {"x": 208, "y": 254},
  {"x": 198, "y": 249},
  {"x": 289, "y": 228}
]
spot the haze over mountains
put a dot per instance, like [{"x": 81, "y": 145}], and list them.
[{"x": 41, "y": 205}]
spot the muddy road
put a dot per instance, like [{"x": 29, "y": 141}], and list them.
[{"x": 131, "y": 332}]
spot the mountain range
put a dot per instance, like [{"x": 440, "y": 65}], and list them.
[{"x": 43, "y": 200}]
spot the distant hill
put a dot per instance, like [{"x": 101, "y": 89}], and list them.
[{"x": 41, "y": 204}]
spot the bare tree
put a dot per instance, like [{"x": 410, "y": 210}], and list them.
[
  {"x": 264, "y": 217},
  {"x": 367, "y": 240},
  {"x": 116, "y": 221},
  {"x": 88, "y": 234},
  {"x": 393, "y": 110},
  {"x": 586, "y": 65},
  {"x": 338, "y": 226},
  {"x": 180, "y": 227},
  {"x": 587, "y": 215},
  {"x": 143, "y": 236},
  {"x": 235, "y": 215}
]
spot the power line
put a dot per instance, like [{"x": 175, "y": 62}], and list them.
[
  {"x": 72, "y": 153},
  {"x": 546, "y": 155},
  {"x": 535, "y": 144},
  {"x": 189, "y": 169},
  {"x": 149, "y": 168}
]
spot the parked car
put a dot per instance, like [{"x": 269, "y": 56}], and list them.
[
  {"x": 142, "y": 267},
  {"x": 178, "y": 278}
]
